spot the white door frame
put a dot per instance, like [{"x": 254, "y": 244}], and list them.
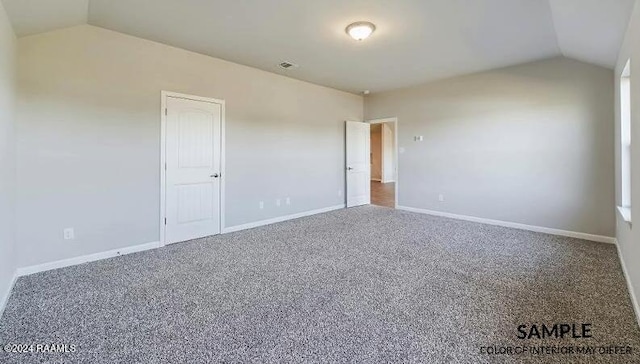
[
  {"x": 397, "y": 149},
  {"x": 164, "y": 95}
]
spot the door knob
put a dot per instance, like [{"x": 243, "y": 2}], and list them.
[
  {"x": 215, "y": 175},
  {"x": 349, "y": 168}
]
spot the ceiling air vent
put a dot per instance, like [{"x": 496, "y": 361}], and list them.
[{"x": 287, "y": 65}]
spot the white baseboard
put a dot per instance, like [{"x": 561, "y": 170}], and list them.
[
  {"x": 25, "y": 271},
  {"x": 5, "y": 297},
  {"x": 632, "y": 293},
  {"x": 252, "y": 225},
  {"x": 539, "y": 229}
]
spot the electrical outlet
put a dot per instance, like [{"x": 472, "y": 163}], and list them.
[
  {"x": 441, "y": 197},
  {"x": 69, "y": 234},
  {"x": 288, "y": 201},
  {"x": 278, "y": 202},
  {"x": 261, "y": 205}
]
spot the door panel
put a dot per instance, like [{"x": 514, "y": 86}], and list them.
[
  {"x": 358, "y": 163},
  {"x": 195, "y": 202},
  {"x": 195, "y": 141},
  {"x": 193, "y": 149}
]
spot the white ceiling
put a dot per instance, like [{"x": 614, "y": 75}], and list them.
[{"x": 416, "y": 40}]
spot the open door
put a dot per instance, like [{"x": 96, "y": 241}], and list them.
[{"x": 358, "y": 163}]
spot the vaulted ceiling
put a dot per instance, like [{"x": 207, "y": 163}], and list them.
[{"x": 416, "y": 41}]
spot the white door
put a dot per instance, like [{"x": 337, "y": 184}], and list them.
[
  {"x": 358, "y": 164},
  {"x": 193, "y": 147}
]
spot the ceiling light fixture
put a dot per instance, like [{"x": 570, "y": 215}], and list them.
[{"x": 360, "y": 30}]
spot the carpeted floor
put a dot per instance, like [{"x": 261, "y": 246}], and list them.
[{"x": 364, "y": 285}]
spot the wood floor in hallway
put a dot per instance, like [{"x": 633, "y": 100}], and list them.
[{"x": 383, "y": 194}]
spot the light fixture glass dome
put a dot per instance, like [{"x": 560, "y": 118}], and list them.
[{"x": 360, "y": 30}]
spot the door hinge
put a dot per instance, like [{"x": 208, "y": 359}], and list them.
[
  {"x": 165, "y": 111},
  {"x": 165, "y": 221},
  {"x": 165, "y": 166}
]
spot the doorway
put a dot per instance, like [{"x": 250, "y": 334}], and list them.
[
  {"x": 192, "y": 170},
  {"x": 384, "y": 162}
]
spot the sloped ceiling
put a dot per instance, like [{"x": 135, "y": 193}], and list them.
[
  {"x": 38, "y": 16},
  {"x": 416, "y": 41}
]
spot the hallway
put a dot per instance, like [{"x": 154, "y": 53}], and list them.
[{"x": 383, "y": 194}]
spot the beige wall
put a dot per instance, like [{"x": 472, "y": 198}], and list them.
[
  {"x": 530, "y": 144},
  {"x": 629, "y": 235},
  {"x": 382, "y": 152},
  {"x": 7, "y": 156},
  {"x": 89, "y": 139},
  {"x": 376, "y": 151}
]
